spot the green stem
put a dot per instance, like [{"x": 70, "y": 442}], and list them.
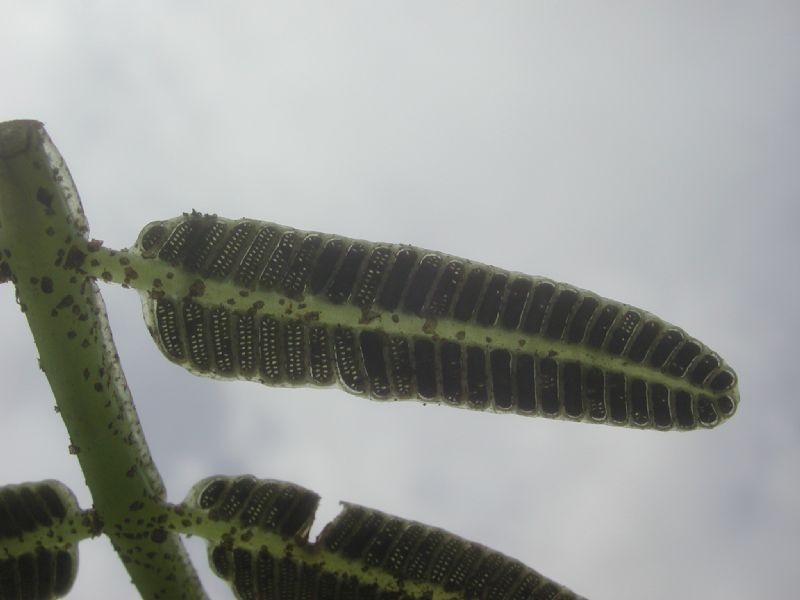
[
  {"x": 40, "y": 220},
  {"x": 153, "y": 277},
  {"x": 66, "y": 532}
]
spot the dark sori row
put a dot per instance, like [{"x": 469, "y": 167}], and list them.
[
  {"x": 43, "y": 573},
  {"x": 407, "y": 551},
  {"x": 431, "y": 285}
]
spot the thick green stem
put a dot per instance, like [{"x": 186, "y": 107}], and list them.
[{"x": 40, "y": 220}]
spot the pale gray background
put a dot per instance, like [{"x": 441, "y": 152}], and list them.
[{"x": 649, "y": 151}]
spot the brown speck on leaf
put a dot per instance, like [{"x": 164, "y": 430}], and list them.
[
  {"x": 312, "y": 315},
  {"x": 5, "y": 272},
  {"x": 368, "y": 317},
  {"x": 95, "y": 263},
  {"x": 130, "y": 273},
  {"x": 156, "y": 294},
  {"x": 94, "y": 245},
  {"x": 73, "y": 449},
  {"x": 96, "y": 522},
  {"x": 45, "y": 198},
  {"x": 159, "y": 536},
  {"x": 244, "y": 293},
  {"x": 134, "y": 506},
  {"x": 50, "y": 231},
  {"x": 47, "y": 285},
  {"x": 124, "y": 260},
  {"x": 460, "y": 335},
  {"x": 395, "y": 318},
  {"x": 106, "y": 276},
  {"x": 429, "y": 326},
  {"x": 75, "y": 258},
  {"x": 197, "y": 289},
  {"x": 66, "y": 301},
  {"x": 71, "y": 334}
]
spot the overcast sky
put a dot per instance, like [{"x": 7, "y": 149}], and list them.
[{"x": 648, "y": 151}]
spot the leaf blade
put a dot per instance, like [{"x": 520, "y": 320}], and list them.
[
  {"x": 285, "y": 307},
  {"x": 265, "y": 552},
  {"x": 40, "y": 527}
]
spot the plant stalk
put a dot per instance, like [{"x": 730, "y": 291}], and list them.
[{"x": 40, "y": 219}]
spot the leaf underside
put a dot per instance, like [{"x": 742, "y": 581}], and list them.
[
  {"x": 46, "y": 569},
  {"x": 362, "y": 553},
  {"x": 286, "y": 307}
]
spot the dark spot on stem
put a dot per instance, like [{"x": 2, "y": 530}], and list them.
[
  {"x": 159, "y": 536},
  {"x": 45, "y": 198},
  {"x": 66, "y": 301},
  {"x": 75, "y": 258}
]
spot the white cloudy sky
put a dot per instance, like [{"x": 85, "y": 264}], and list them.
[{"x": 649, "y": 151}]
